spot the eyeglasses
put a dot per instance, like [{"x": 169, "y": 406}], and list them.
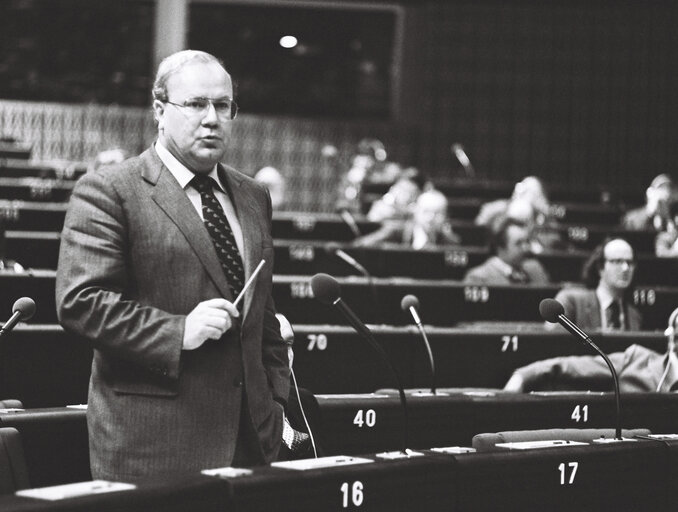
[
  {"x": 226, "y": 109},
  {"x": 620, "y": 262}
]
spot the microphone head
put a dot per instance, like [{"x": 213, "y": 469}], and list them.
[
  {"x": 332, "y": 247},
  {"x": 25, "y": 306},
  {"x": 325, "y": 288},
  {"x": 409, "y": 301},
  {"x": 550, "y": 310}
]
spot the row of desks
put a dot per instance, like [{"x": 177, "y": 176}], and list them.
[
  {"x": 53, "y": 189},
  {"x": 49, "y": 216},
  {"x": 43, "y": 366},
  {"x": 444, "y": 303},
  {"x": 352, "y": 425},
  {"x": 40, "y": 249},
  {"x": 633, "y": 475}
]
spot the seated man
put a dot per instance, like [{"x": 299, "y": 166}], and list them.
[
  {"x": 638, "y": 368},
  {"x": 666, "y": 241},
  {"x": 654, "y": 214},
  {"x": 530, "y": 189},
  {"x": 274, "y": 181},
  {"x": 429, "y": 225},
  {"x": 607, "y": 274},
  {"x": 512, "y": 262},
  {"x": 398, "y": 202}
]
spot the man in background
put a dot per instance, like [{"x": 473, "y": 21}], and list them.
[
  {"x": 654, "y": 215},
  {"x": 428, "y": 226},
  {"x": 512, "y": 262},
  {"x": 603, "y": 304},
  {"x": 153, "y": 254}
]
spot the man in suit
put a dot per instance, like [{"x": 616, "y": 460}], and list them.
[
  {"x": 428, "y": 227},
  {"x": 153, "y": 254},
  {"x": 511, "y": 262},
  {"x": 603, "y": 304},
  {"x": 608, "y": 273}
]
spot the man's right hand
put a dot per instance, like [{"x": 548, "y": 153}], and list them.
[{"x": 209, "y": 320}]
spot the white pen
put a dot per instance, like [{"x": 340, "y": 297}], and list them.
[{"x": 248, "y": 283}]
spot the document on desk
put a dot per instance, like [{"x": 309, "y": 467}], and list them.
[
  {"x": 62, "y": 492},
  {"x": 321, "y": 462}
]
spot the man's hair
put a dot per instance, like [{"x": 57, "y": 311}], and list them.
[
  {"x": 498, "y": 237},
  {"x": 590, "y": 274},
  {"x": 174, "y": 63}
]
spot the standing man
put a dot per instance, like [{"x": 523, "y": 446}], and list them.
[{"x": 154, "y": 252}]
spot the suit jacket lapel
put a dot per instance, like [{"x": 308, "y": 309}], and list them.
[
  {"x": 170, "y": 197},
  {"x": 244, "y": 204}
]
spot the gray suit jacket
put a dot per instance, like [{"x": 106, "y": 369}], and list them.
[
  {"x": 582, "y": 307},
  {"x": 135, "y": 259},
  {"x": 639, "y": 369}
]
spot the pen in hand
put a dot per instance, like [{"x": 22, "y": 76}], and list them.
[{"x": 248, "y": 283}]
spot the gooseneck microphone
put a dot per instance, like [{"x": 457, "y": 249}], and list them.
[
  {"x": 23, "y": 309},
  {"x": 336, "y": 250},
  {"x": 553, "y": 311},
  {"x": 350, "y": 221},
  {"x": 327, "y": 290},
  {"x": 411, "y": 303}
]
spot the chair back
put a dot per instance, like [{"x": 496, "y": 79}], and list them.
[{"x": 13, "y": 468}]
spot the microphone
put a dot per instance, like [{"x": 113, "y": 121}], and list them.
[
  {"x": 460, "y": 154},
  {"x": 23, "y": 309},
  {"x": 411, "y": 303},
  {"x": 334, "y": 248},
  {"x": 350, "y": 221},
  {"x": 553, "y": 311},
  {"x": 327, "y": 290}
]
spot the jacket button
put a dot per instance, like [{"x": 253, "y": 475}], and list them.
[{"x": 237, "y": 382}]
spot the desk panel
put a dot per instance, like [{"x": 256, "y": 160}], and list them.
[
  {"x": 55, "y": 444},
  {"x": 455, "y": 417},
  {"x": 622, "y": 476}
]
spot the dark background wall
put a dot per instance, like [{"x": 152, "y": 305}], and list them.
[{"x": 579, "y": 92}]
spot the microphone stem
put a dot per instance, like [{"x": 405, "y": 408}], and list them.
[
  {"x": 366, "y": 334},
  {"x": 617, "y": 394},
  {"x": 575, "y": 330},
  {"x": 430, "y": 357}
]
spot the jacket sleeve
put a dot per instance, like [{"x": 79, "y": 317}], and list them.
[
  {"x": 274, "y": 348},
  {"x": 570, "y": 371},
  {"x": 94, "y": 295}
]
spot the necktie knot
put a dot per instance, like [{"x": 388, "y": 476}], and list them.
[{"x": 203, "y": 183}]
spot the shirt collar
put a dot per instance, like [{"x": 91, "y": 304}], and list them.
[
  {"x": 180, "y": 172},
  {"x": 604, "y": 297}
]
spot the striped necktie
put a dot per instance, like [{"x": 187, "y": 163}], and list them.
[{"x": 220, "y": 231}]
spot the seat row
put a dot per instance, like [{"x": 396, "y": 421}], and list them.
[
  {"x": 40, "y": 250},
  {"x": 43, "y": 366},
  {"x": 378, "y": 301}
]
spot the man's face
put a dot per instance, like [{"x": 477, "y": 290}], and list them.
[
  {"x": 618, "y": 265},
  {"x": 517, "y": 245},
  {"x": 197, "y": 141},
  {"x": 430, "y": 212}
]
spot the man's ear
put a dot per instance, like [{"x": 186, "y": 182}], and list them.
[{"x": 158, "y": 111}]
